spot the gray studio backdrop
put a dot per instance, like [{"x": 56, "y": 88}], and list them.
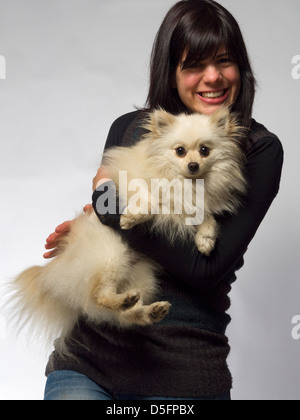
[{"x": 68, "y": 69}]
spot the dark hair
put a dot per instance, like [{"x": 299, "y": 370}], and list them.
[{"x": 199, "y": 27}]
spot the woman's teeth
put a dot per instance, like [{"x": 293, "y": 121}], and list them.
[{"x": 213, "y": 95}]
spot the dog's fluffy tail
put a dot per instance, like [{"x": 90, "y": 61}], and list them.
[{"x": 35, "y": 309}]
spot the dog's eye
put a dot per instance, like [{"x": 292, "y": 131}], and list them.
[
  {"x": 204, "y": 151},
  {"x": 181, "y": 152}
]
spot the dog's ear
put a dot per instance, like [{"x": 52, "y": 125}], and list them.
[
  {"x": 159, "y": 122},
  {"x": 221, "y": 118},
  {"x": 226, "y": 121}
]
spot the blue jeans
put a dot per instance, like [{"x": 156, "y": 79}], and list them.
[{"x": 66, "y": 385}]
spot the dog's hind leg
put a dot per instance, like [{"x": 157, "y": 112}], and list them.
[
  {"x": 104, "y": 294},
  {"x": 146, "y": 315},
  {"x": 109, "y": 299}
]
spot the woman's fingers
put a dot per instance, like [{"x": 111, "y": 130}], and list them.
[
  {"x": 53, "y": 240},
  {"x": 64, "y": 228},
  {"x": 88, "y": 208},
  {"x": 102, "y": 173},
  {"x": 51, "y": 254}
]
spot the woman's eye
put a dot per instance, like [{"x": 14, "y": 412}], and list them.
[
  {"x": 226, "y": 62},
  {"x": 181, "y": 152},
  {"x": 204, "y": 151}
]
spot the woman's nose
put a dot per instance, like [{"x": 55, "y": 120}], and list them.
[{"x": 212, "y": 74}]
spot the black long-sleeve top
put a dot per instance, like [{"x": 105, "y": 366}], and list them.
[
  {"x": 184, "y": 355},
  {"x": 264, "y": 164}
]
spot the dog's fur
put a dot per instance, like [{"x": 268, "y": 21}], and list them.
[{"x": 97, "y": 274}]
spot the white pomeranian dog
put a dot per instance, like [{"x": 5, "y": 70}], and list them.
[{"x": 96, "y": 274}]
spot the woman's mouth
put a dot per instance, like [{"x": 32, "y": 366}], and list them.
[{"x": 215, "y": 96}]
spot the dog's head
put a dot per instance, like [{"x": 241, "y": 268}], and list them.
[{"x": 190, "y": 146}]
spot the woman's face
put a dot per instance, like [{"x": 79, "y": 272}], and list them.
[{"x": 214, "y": 82}]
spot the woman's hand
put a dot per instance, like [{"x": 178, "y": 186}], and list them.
[
  {"x": 101, "y": 175},
  {"x": 61, "y": 231}
]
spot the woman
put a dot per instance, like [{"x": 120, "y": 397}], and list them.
[{"x": 199, "y": 62}]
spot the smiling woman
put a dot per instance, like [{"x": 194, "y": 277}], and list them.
[
  {"x": 199, "y": 62},
  {"x": 201, "y": 48},
  {"x": 211, "y": 83}
]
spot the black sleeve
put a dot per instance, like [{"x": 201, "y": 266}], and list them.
[
  {"x": 118, "y": 129},
  {"x": 185, "y": 262},
  {"x": 114, "y": 139}
]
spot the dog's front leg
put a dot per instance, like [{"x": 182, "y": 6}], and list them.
[
  {"x": 129, "y": 220},
  {"x": 207, "y": 235},
  {"x": 138, "y": 210}
]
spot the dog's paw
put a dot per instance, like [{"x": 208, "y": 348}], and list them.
[
  {"x": 132, "y": 298},
  {"x": 205, "y": 244},
  {"x": 159, "y": 311},
  {"x": 128, "y": 221}
]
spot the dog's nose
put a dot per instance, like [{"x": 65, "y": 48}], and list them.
[{"x": 193, "y": 167}]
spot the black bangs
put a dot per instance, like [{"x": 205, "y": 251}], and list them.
[
  {"x": 199, "y": 36},
  {"x": 202, "y": 46}
]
